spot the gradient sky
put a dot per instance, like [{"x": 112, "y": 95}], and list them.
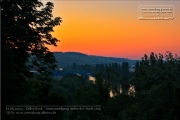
[{"x": 112, "y": 28}]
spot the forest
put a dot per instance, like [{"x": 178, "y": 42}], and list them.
[{"x": 151, "y": 92}]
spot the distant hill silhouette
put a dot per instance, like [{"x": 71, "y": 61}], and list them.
[{"x": 68, "y": 58}]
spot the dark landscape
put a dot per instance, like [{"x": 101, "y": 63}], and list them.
[{"x": 38, "y": 84}]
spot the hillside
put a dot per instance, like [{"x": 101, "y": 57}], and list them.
[{"x": 68, "y": 58}]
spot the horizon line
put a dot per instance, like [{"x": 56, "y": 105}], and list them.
[{"x": 92, "y": 54}]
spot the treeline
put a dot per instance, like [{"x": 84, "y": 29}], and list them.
[
  {"x": 156, "y": 95},
  {"x": 116, "y": 68},
  {"x": 116, "y": 75}
]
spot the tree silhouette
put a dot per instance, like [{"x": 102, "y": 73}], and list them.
[
  {"x": 26, "y": 30},
  {"x": 157, "y": 83}
]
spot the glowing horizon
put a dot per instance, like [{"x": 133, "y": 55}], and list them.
[{"x": 112, "y": 28}]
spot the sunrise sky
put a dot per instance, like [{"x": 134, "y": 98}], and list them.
[{"x": 112, "y": 28}]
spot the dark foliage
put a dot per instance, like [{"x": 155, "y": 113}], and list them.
[{"x": 26, "y": 30}]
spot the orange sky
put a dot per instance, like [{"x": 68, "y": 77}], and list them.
[{"x": 112, "y": 28}]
